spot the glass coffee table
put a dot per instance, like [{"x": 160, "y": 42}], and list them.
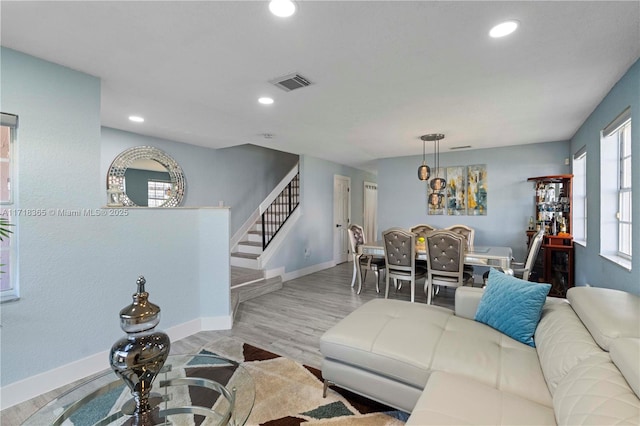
[{"x": 191, "y": 389}]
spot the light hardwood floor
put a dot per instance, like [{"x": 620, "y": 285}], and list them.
[{"x": 288, "y": 322}]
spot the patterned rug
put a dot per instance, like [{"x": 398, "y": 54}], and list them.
[
  {"x": 290, "y": 394},
  {"x": 287, "y": 393}
]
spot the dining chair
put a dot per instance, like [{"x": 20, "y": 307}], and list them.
[
  {"x": 421, "y": 231},
  {"x": 373, "y": 263},
  {"x": 468, "y": 233},
  {"x": 445, "y": 257},
  {"x": 400, "y": 255},
  {"x": 520, "y": 269}
]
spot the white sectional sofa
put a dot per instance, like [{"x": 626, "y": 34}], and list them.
[{"x": 445, "y": 368}]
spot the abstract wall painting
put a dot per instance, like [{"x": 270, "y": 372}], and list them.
[
  {"x": 477, "y": 190},
  {"x": 465, "y": 192},
  {"x": 456, "y": 191}
]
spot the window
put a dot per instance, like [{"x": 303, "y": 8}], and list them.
[
  {"x": 624, "y": 191},
  {"x": 615, "y": 188},
  {"x": 158, "y": 192},
  {"x": 8, "y": 211},
  {"x": 579, "y": 203}
]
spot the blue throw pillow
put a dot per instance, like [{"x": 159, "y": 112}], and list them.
[{"x": 512, "y": 306}]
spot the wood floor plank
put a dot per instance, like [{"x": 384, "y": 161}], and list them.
[{"x": 289, "y": 322}]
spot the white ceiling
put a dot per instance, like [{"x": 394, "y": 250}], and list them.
[{"x": 384, "y": 72}]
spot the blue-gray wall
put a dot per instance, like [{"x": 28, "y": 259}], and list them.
[
  {"x": 402, "y": 198},
  {"x": 591, "y": 268},
  {"x": 315, "y": 229},
  {"x": 240, "y": 176},
  {"x": 77, "y": 272}
]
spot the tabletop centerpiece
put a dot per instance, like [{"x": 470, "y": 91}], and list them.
[{"x": 138, "y": 357}]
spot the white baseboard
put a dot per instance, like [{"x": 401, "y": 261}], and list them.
[
  {"x": 23, "y": 390},
  {"x": 216, "y": 323},
  {"x": 271, "y": 273},
  {"x": 306, "y": 271},
  {"x": 29, "y": 388}
]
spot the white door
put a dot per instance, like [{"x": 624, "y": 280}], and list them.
[
  {"x": 341, "y": 214},
  {"x": 369, "y": 214}
]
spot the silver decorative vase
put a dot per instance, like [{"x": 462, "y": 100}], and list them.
[{"x": 138, "y": 357}]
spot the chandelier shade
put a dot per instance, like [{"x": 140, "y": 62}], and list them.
[
  {"x": 437, "y": 184},
  {"x": 424, "y": 172}
]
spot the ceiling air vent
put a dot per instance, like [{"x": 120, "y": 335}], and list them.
[
  {"x": 460, "y": 147},
  {"x": 291, "y": 82}
]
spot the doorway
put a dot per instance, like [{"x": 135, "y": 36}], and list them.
[
  {"x": 341, "y": 215},
  {"x": 369, "y": 215}
]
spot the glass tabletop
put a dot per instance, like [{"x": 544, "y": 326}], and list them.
[{"x": 201, "y": 388}]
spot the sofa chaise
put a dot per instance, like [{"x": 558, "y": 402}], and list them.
[{"x": 444, "y": 367}]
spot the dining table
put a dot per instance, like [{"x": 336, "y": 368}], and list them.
[{"x": 489, "y": 256}]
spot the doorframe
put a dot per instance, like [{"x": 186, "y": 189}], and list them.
[{"x": 338, "y": 256}]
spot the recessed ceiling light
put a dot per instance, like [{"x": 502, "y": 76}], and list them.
[
  {"x": 136, "y": 119},
  {"x": 503, "y": 29},
  {"x": 265, "y": 101},
  {"x": 282, "y": 8}
]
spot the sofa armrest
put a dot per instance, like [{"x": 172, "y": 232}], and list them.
[{"x": 467, "y": 300}]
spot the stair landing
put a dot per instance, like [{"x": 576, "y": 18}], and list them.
[
  {"x": 249, "y": 283},
  {"x": 244, "y": 275}
]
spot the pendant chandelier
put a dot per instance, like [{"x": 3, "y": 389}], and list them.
[
  {"x": 437, "y": 184},
  {"x": 423, "y": 171}
]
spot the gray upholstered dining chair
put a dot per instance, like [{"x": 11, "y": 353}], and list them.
[
  {"x": 421, "y": 231},
  {"x": 400, "y": 255},
  {"x": 445, "y": 257},
  {"x": 375, "y": 264},
  {"x": 469, "y": 234},
  {"x": 520, "y": 269}
]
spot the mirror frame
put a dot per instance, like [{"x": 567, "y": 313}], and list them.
[{"x": 119, "y": 166}]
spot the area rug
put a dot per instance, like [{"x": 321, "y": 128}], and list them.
[
  {"x": 290, "y": 394},
  {"x": 287, "y": 393}
]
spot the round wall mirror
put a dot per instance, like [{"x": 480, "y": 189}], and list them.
[{"x": 145, "y": 176}]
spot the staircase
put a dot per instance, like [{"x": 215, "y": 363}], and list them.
[
  {"x": 254, "y": 246},
  {"x": 263, "y": 226},
  {"x": 249, "y": 250}
]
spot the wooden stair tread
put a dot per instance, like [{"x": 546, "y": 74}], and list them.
[
  {"x": 250, "y": 243},
  {"x": 245, "y": 255}
]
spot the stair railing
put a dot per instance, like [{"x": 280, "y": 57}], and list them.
[{"x": 276, "y": 213}]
